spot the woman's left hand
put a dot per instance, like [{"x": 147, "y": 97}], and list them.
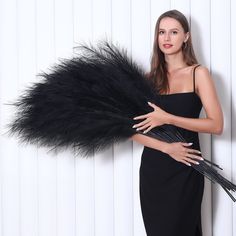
[{"x": 152, "y": 119}]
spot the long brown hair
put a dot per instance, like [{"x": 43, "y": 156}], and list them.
[{"x": 158, "y": 71}]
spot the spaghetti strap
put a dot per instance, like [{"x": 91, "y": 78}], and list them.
[{"x": 194, "y": 77}]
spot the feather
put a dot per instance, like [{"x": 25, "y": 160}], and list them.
[
  {"x": 76, "y": 103},
  {"x": 89, "y": 101}
]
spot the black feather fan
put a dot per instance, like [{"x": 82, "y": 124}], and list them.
[{"x": 88, "y": 102}]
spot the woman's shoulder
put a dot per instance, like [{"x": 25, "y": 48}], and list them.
[
  {"x": 202, "y": 77},
  {"x": 197, "y": 69},
  {"x": 201, "y": 70}
]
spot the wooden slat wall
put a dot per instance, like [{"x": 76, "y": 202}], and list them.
[
  {"x": 10, "y": 165},
  {"x": 45, "y": 193},
  {"x": 201, "y": 26},
  {"x": 221, "y": 146},
  {"x": 233, "y": 105}
]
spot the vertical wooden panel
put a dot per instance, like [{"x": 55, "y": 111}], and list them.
[
  {"x": 221, "y": 148},
  {"x": 139, "y": 229},
  {"x": 27, "y": 154},
  {"x": 156, "y": 9},
  {"x": 121, "y": 23},
  {"x": 123, "y": 189},
  {"x": 8, "y": 91},
  {"x": 1, "y": 208},
  {"x": 200, "y": 30},
  {"x": 46, "y": 194},
  {"x": 65, "y": 160},
  {"x": 181, "y": 5},
  {"x": 104, "y": 203},
  {"x": 85, "y": 197},
  {"x": 104, "y": 198},
  {"x": 233, "y": 107},
  {"x": 63, "y": 23},
  {"x": 85, "y": 181},
  {"x": 140, "y": 13},
  {"x": 47, "y": 164},
  {"x": 1, "y": 192},
  {"x": 83, "y": 21},
  {"x": 66, "y": 223},
  {"x": 101, "y": 19},
  {"x": 123, "y": 164}
]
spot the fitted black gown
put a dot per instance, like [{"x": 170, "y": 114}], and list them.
[{"x": 171, "y": 192}]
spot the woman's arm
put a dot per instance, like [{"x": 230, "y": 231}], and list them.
[
  {"x": 213, "y": 123},
  {"x": 149, "y": 142},
  {"x": 178, "y": 151}
]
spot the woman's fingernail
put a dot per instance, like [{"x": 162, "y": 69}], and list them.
[
  {"x": 197, "y": 163},
  {"x": 201, "y": 159},
  {"x": 189, "y": 164},
  {"x": 134, "y": 126},
  {"x": 190, "y": 143},
  {"x": 137, "y": 129},
  {"x": 199, "y": 152}
]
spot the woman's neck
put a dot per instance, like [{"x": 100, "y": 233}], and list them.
[{"x": 175, "y": 62}]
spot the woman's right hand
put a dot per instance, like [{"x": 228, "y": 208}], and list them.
[{"x": 182, "y": 153}]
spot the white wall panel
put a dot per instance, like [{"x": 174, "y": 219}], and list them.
[
  {"x": 27, "y": 154},
  {"x": 233, "y": 105},
  {"x": 104, "y": 165},
  {"x": 83, "y": 20},
  {"x": 221, "y": 146},
  {"x": 8, "y": 90},
  {"x": 156, "y": 9},
  {"x": 140, "y": 48},
  {"x": 123, "y": 169},
  {"x": 47, "y": 194},
  {"x": 200, "y": 26},
  {"x": 181, "y": 5},
  {"x": 47, "y": 162},
  {"x": 85, "y": 178},
  {"x": 64, "y": 39}
]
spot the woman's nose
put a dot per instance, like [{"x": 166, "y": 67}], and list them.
[{"x": 167, "y": 36}]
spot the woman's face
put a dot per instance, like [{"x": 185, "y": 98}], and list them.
[{"x": 171, "y": 36}]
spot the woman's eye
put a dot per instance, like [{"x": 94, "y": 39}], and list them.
[
  {"x": 174, "y": 32},
  {"x": 161, "y": 32}
]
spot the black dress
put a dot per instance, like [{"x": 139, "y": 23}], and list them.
[{"x": 171, "y": 192}]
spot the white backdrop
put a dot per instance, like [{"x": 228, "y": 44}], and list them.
[{"x": 45, "y": 194}]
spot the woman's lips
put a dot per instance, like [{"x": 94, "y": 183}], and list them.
[{"x": 167, "y": 45}]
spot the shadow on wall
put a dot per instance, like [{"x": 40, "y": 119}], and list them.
[
  {"x": 203, "y": 53},
  {"x": 225, "y": 103},
  {"x": 197, "y": 41},
  {"x": 217, "y": 78}
]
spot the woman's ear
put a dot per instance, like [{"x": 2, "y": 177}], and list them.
[{"x": 186, "y": 37}]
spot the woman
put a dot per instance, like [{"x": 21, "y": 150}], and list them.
[{"x": 170, "y": 190}]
